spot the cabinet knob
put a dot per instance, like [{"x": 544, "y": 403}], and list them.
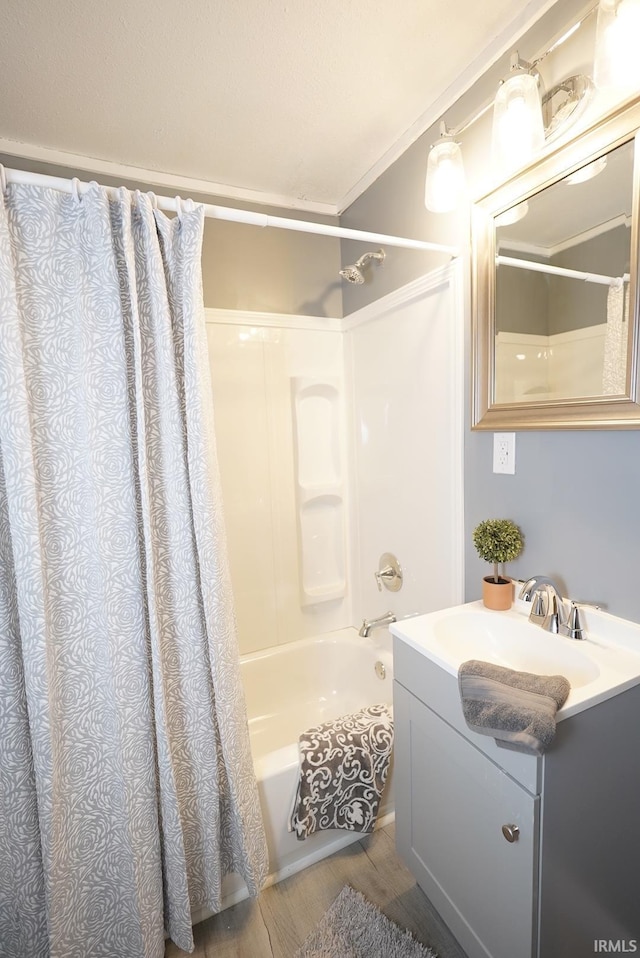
[{"x": 511, "y": 832}]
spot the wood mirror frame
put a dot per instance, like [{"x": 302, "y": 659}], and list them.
[{"x": 589, "y": 412}]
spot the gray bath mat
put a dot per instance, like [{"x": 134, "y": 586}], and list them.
[{"x": 354, "y": 928}]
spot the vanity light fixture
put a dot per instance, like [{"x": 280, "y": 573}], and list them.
[
  {"x": 617, "y": 65},
  {"x": 518, "y": 130},
  {"x": 524, "y": 120},
  {"x": 445, "y": 183}
]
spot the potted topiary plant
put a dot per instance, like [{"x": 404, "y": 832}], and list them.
[{"x": 497, "y": 541}]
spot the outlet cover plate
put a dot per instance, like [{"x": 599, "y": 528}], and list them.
[{"x": 504, "y": 452}]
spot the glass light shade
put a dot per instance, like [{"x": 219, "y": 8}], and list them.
[
  {"x": 513, "y": 215},
  {"x": 617, "y": 64},
  {"x": 586, "y": 173},
  {"x": 518, "y": 130},
  {"x": 445, "y": 185}
]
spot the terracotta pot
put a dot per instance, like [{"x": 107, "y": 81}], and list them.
[{"x": 497, "y": 595}]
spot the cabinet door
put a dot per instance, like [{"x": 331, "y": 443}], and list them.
[{"x": 451, "y": 804}]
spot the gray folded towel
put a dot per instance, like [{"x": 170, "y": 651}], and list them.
[
  {"x": 343, "y": 769},
  {"x": 517, "y": 708}
]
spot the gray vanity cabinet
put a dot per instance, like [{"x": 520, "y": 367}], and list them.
[
  {"x": 451, "y": 804},
  {"x": 572, "y": 874}
]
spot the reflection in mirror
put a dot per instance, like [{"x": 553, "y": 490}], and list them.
[
  {"x": 562, "y": 285},
  {"x": 555, "y": 296}
]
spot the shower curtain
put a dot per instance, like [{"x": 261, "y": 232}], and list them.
[
  {"x": 614, "y": 372},
  {"x": 126, "y": 784}
]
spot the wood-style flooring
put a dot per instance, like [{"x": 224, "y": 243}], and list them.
[{"x": 277, "y": 923}]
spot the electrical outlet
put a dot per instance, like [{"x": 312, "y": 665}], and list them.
[{"x": 504, "y": 452}]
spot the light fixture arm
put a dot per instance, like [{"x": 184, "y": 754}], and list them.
[
  {"x": 517, "y": 64},
  {"x": 445, "y": 133}
]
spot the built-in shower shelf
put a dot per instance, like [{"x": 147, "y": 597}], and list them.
[
  {"x": 325, "y": 594},
  {"x": 307, "y": 494},
  {"x": 319, "y": 489}
]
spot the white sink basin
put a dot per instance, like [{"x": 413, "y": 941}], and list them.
[
  {"x": 511, "y": 642},
  {"x": 605, "y": 663}
]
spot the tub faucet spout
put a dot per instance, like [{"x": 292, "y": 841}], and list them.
[{"x": 368, "y": 625}]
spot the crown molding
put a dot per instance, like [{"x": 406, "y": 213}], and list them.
[{"x": 169, "y": 181}]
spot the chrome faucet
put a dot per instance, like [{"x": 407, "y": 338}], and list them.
[
  {"x": 548, "y": 608},
  {"x": 368, "y": 625}
]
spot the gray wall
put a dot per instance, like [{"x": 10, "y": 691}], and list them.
[
  {"x": 394, "y": 205},
  {"x": 575, "y": 305},
  {"x": 576, "y": 497},
  {"x": 522, "y": 298},
  {"x": 248, "y": 267},
  {"x": 528, "y": 302},
  {"x": 575, "y": 494}
]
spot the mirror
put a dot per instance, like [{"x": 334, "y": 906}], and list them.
[{"x": 555, "y": 312}]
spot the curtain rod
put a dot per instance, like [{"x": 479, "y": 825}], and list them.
[
  {"x": 249, "y": 217},
  {"x": 561, "y": 271}
]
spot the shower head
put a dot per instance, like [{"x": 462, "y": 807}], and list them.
[{"x": 353, "y": 274}]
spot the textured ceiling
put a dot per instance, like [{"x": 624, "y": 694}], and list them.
[
  {"x": 566, "y": 213},
  {"x": 301, "y": 101}
]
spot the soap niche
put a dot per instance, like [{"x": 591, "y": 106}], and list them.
[{"x": 319, "y": 489}]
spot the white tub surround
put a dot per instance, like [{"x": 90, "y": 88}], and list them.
[
  {"x": 404, "y": 367},
  {"x": 308, "y": 517},
  {"x": 320, "y": 484},
  {"x": 280, "y": 419}
]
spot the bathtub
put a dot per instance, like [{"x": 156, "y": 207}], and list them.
[{"x": 288, "y": 689}]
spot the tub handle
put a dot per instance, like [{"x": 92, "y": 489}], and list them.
[{"x": 389, "y": 573}]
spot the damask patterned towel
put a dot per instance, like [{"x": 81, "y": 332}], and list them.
[{"x": 343, "y": 769}]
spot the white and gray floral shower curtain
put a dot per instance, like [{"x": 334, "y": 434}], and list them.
[
  {"x": 614, "y": 372},
  {"x": 126, "y": 783}
]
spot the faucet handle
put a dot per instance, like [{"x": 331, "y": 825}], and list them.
[
  {"x": 389, "y": 573},
  {"x": 573, "y": 626},
  {"x": 554, "y": 619},
  {"x": 383, "y": 572},
  {"x": 539, "y": 607}
]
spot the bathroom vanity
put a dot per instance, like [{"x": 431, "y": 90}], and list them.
[{"x": 523, "y": 857}]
